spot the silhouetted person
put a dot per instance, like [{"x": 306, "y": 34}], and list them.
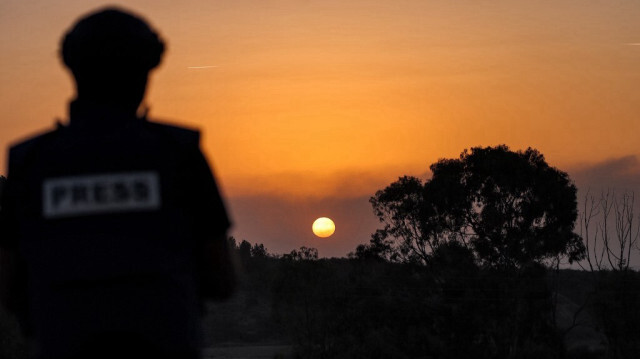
[{"x": 112, "y": 226}]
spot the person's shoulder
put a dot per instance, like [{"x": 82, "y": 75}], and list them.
[
  {"x": 22, "y": 147},
  {"x": 183, "y": 135}
]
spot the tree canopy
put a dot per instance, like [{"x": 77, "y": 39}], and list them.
[{"x": 510, "y": 208}]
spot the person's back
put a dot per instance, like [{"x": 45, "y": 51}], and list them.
[{"x": 118, "y": 219}]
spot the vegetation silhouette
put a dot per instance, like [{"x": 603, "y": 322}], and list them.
[
  {"x": 467, "y": 265},
  {"x": 510, "y": 208},
  {"x": 351, "y": 308},
  {"x": 450, "y": 308}
]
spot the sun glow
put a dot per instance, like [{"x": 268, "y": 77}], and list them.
[{"x": 323, "y": 227}]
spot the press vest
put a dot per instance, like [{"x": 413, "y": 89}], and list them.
[{"x": 108, "y": 218}]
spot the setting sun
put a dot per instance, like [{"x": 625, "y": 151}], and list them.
[{"x": 323, "y": 227}]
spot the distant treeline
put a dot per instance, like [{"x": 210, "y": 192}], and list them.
[{"x": 449, "y": 308}]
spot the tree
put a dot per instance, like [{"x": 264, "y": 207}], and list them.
[
  {"x": 602, "y": 246},
  {"x": 616, "y": 287},
  {"x": 233, "y": 245},
  {"x": 259, "y": 251},
  {"x": 398, "y": 208},
  {"x": 303, "y": 254},
  {"x": 511, "y": 208},
  {"x": 514, "y": 208},
  {"x": 244, "y": 250}
]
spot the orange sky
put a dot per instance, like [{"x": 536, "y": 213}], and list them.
[{"x": 338, "y": 98}]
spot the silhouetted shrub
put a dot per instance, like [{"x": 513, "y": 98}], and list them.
[
  {"x": 616, "y": 308},
  {"x": 360, "y": 308}
]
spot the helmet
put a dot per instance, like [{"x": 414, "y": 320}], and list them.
[{"x": 111, "y": 40}]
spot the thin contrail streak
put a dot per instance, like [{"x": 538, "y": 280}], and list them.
[
  {"x": 633, "y": 44},
  {"x": 200, "y": 67}
]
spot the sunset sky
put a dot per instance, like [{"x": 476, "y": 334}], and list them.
[{"x": 308, "y": 107}]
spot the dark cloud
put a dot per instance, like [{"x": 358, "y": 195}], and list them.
[{"x": 621, "y": 174}]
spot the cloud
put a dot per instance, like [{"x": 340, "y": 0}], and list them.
[{"x": 620, "y": 174}]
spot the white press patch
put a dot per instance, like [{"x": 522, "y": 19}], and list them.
[{"x": 103, "y": 193}]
